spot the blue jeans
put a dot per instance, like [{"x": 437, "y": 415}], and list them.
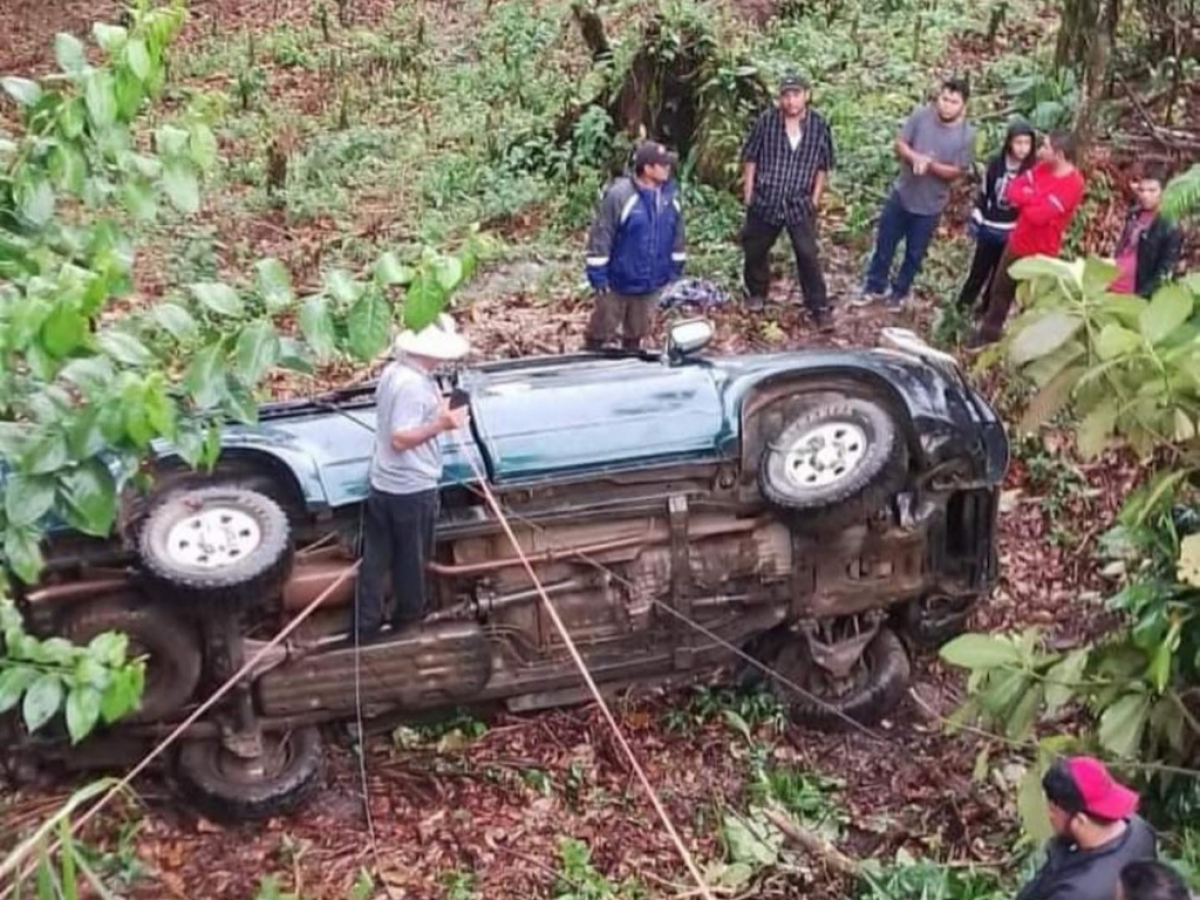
[{"x": 895, "y": 224}]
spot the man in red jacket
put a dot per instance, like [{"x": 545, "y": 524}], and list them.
[{"x": 1045, "y": 198}]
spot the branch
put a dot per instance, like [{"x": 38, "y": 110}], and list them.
[{"x": 813, "y": 845}]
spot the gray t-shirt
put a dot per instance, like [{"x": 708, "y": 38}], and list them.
[
  {"x": 406, "y": 397},
  {"x": 953, "y": 145}
]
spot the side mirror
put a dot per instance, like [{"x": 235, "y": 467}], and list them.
[
  {"x": 688, "y": 336},
  {"x": 907, "y": 341}
]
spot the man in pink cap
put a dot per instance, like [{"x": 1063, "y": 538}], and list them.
[{"x": 1096, "y": 833}]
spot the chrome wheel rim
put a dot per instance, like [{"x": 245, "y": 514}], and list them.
[
  {"x": 213, "y": 538},
  {"x": 825, "y": 454}
]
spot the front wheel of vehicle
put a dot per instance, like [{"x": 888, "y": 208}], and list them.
[
  {"x": 868, "y": 693},
  {"x": 835, "y": 464},
  {"x": 228, "y": 788},
  {"x": 224, "y": 546},
  {"x": 937, "y": 618}
]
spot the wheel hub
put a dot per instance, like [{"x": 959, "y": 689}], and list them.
[
  {"x": 826, "y": 454},
  {"x": 213, "y": 538}
]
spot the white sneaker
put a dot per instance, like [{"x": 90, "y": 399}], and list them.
[{"x": 865, "y": 298}]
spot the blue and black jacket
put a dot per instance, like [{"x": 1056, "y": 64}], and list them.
[{"x": 636, "y": 244}]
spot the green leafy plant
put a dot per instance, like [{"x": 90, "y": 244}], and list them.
[
  {"x": 578, "y": 878},
  {"x": 1182, "y": 196}
]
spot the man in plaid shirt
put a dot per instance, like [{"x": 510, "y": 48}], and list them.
[{"x": 785, "y": 163}]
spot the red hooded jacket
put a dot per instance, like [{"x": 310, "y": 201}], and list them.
[{"x": 1045, "y": 203}]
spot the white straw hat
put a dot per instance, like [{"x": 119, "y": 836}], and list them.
[{"x": 439, "y": 340}]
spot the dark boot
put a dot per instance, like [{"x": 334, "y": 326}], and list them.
[
  {"x": 592, "y": 345},
  {"x": 631, "y": 344}
]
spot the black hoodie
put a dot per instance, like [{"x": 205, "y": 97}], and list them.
[{"x": 994, "y": 217}]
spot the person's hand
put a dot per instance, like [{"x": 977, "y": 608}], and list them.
[
  {"x": 920, "y": 164},
  {"x": 448, "y": 419}
]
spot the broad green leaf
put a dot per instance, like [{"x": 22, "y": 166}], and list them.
[
  {"x": 176, "y": 321},
  {"x": 24, "y": 91},
  {"x": 1024, "y": 713},
  {"x": 751, "y": 840},
  {"x": 83, "y": 711},
  {"x": 205, "y": 378},
  {"x": 1042, "y": 371},
  {"x": 980, "y": 651},
  {"x": 69, "y": 168},
  {"x": 1031, "y": 805},
  {"x": 1050, "y": 399},
  {"x": 202, "y": 145},
  {"x": 1043, "y": 336},
  {"x": 257, "y": 351},
  {"x": 109, "y": 648},
  {"x": 1092, "y": 435},
  {"x": 342, "y": 287},
  {"x": 1122, "y": 724},
  {"x": 220, "y": 298},
  {"x": 240, "y": 403},
  {"x": 294, "y": 355},
  {"x": 274, "y": 284},
  {"x": 124, "y": 348},
  {"x": 47, "y": 454},
  {"x": 1188, "y": 566},
  {"x": 14, "y": 682},
  {"x": 389, "y": 270},
  {"x": 35, "y": 200},
  {"x": 72, "y": 117},
  {"x": 316, "y": 324},
  {"x": 69, "y": 53},
  {"x": 27, "y": 498},
  {"x": 182, "y": 188},
  {"x": 1098, "y": 274},
  {"x": 137, "y": 58},
  {"x": 91, "y": 494},
  {"x": 449, "y": 272},
  {"x": 424, "y": 300},
  {"x": 89, "y": 373},
  {"x": 123, "y": 693},
  {"x": 160, "y": 408},
  {"x": 1033, "y": 266},
  {"x": 42, "y": 700},
  {"x": 1185, "y": 428},
  {"x": 139, "y": 198},
  {"x": 64, "y": 329},
  {"x": 101, "y": 98},
  {"x": 1062, "y": 679},
  {"x": 1169, "y": 308},
  {"x": 171, "y": 141},
  {"x": 1125, "y": 308},
  {"x": 1115, "y": 341},
  {"x": 1005, "y": 688},
  {"x": 369, "y": 325},
  {"x": 110, "y": 37}
]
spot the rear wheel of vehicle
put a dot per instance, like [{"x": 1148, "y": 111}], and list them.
[
  {"x": 218, "y": 546},
  {"x": 933, "y": 620},
  {"x": 227, "y": 788},
  {"x": 834, "y": 464},
  {"x": 170, "y": 645},
  {"x": 872, "y": 689}
]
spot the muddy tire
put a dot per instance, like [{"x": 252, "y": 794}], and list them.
[
  {"x": 171, "y": 645},
  {"x": 932, "y": 621},
  {"x": 226, "y": 789},
  {"x": 876, "y": 689},
  {"x": 218, "y": 546},
  {"x": 834, "y": 465}
]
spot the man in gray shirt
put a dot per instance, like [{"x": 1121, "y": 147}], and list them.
[
  {"x": 402, "y": 504},
  {"x": 935, "y": 147}
]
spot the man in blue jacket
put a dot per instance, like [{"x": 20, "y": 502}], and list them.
[{"x": 635, "y": 247}]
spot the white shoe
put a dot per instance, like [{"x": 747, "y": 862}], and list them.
[{"x": 865, "y": 298}]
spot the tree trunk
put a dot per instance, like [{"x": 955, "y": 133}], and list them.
[{"x": 1095, "y": 68}]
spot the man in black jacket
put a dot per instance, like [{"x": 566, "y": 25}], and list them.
[
  {"x": 1149, "y": 247},
  {"x": 1096, "y": 833}
]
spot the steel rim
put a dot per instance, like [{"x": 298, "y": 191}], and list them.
[
  {"x": 214, "y": 538},
  {"x": 825, "y": 454}
]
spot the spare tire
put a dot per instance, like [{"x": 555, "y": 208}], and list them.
[
  {"x": 170, "y": 644},
  {"x": 228, "y": 789},
  {"x": 218, "y": 545},
  {"x": 835, "y": 464}
]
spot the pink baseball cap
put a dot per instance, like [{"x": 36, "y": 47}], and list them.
[{"x": 1101, "y": 794}]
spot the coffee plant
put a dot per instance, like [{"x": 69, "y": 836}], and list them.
[{"x": 85, "y": 395}]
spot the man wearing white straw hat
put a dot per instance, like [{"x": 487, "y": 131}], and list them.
[{"x": 402, "y": 506}]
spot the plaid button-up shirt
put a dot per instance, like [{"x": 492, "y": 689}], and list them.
[{"x": 783, "y": 177}]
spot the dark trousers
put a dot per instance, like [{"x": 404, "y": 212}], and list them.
[
  {"x": 999, "y": 299},
  {"x": 630, "y": 314},
  {"x": 979, "y": 279},
  {"x": 759, "y": 236},
  {"x": 897, "y": 224},
  {"x": 398, "y": 542}
]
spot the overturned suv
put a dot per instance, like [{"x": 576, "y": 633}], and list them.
[{"x": 824, "y": 512}]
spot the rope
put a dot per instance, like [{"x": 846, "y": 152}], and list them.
[
  {"x": 684, "y": 854},
  {"x": 16, "y": 860}
]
